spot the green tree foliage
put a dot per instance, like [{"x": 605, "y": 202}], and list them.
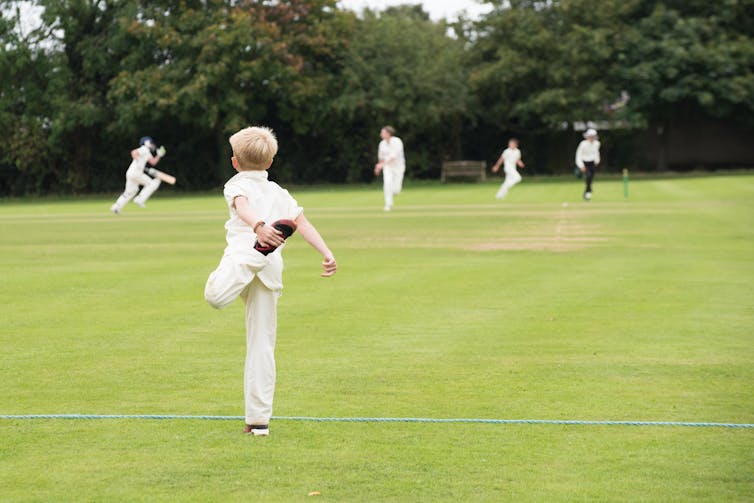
[
  {"x": 79, "y": 112},
  {"x": 404, "y": 70},
  {"x": 78, "y": 89},
  {"x": 55, "y": 94},
  {"x": 685, "y": 59},
  {"x": 693, "y": 53},
  {"x": 23, "y": 118},
  {"x": 210, "y": 68},
  {"x": 542, "y": 63},
  {"x": 538, "y": 64}
]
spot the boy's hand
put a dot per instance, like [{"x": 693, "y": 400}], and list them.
[
  {"x": 496, "y": 168},
  {"x": 161, "y": 151},
  {"x": 267, "y": 235},
  {"x": 377, "y": 169},
  {"x": 330, "y": 267}
]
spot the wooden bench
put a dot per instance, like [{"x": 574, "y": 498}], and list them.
[{"x": 465, "y": 169}]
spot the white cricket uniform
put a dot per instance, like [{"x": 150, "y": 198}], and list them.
[
  {"x": 391, "y": 153},
  {"x": 258, "y": 279},
  {"x": 135, "y": 177},
  {"x": 588, "y": 151},
  {"x": 510, "y": 156}
]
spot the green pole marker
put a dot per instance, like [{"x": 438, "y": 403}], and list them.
[{"x": 625, "y": 183}]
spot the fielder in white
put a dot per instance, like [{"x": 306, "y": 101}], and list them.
[
  {"x": 511, "y": 161},
  {"x": 391, "y": 163},
  {"x": 588, "y": 158},
  {"x": 136, "y": 175},
  {"x": 254, "y": 201}
]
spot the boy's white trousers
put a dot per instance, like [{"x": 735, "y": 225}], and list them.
[
  {"x": 237, "y": 276},
  {"x": 392, "y": 183},
  {"x": 259, "y": 370},
  {"x": 512, "y": 177}
]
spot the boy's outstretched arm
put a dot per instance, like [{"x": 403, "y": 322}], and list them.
[{"x": 310, "y": 234}]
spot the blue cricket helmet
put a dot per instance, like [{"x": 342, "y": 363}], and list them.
[{"x": 146, "y": 139}]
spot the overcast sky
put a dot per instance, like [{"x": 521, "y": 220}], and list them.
[{"x": 437, "y": 9}]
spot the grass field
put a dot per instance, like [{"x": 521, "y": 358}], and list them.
[{"x": 452, "y": 306}]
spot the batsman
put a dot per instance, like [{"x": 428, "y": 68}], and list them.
[{"x": 139, "y": 175}]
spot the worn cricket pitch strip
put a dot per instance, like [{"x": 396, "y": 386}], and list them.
[{"x": 452, "y": 305}]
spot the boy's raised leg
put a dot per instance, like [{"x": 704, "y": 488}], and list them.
[{"x": 236, "y": 270}]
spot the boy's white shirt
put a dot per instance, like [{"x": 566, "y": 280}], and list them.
[
  {"x": 270, "y": 202},
  {"x": 587, "y": 151},
  {"x": 392, "y": 154},
  {"x": 510, "y": 156},
  {"x": 143, "y": 155}
]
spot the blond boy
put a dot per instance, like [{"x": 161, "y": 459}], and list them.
[{"x": 255, "y": 203}]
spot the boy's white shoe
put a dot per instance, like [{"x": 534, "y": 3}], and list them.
[
  {"x": 114, "y": 208},
  {"x": 139, "y": 204},
  {"x": 258, "y": 430},
  {"x": 587, "y": 196},
  {"x": 387, "y": 208}
]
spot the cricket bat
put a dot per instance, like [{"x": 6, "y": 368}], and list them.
[{"x": 164, "y": 177}]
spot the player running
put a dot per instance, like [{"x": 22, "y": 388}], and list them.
[
  {"x": 147, "y": 152},
  {"x": 391, "y": 163},
  {"x": 511, "y": 160}
]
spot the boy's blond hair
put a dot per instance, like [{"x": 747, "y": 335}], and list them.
[{"x": 254, "y": 147}]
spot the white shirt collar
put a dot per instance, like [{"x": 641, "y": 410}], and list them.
[{"x": 254, "y": 174}]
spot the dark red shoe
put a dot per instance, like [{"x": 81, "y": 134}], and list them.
[{"x": 287, "y": 227}]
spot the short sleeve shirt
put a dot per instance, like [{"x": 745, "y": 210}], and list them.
[
  {"x": 392, "y": 151},
  {"x": 143, "y": 155},
  {"x": 268, "y": 200},
  {"x": 511, "y": 156}
]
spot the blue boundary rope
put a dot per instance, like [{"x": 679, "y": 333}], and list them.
[{"x": 385, "y": 420}]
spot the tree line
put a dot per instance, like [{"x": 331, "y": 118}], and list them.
[{"x": 87, "y": 78}]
